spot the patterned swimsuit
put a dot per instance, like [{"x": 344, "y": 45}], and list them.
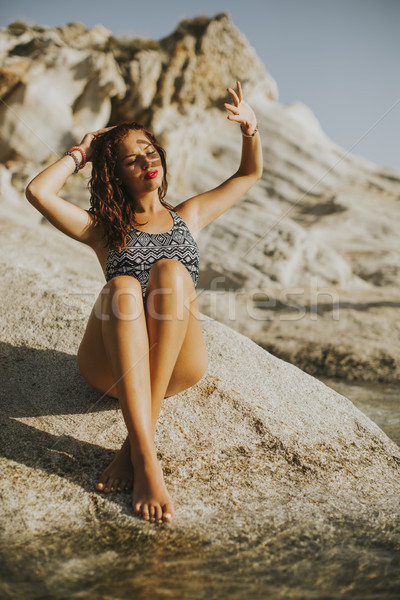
[{"x": 144, "y": 249}]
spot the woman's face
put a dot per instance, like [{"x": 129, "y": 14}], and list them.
[{"x": 139, "y": 164}]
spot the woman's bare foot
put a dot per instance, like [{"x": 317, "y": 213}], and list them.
[
  {"x": 150, "y": 497},
  {"x": 119, "y": 474}
]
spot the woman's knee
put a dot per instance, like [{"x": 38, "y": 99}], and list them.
[
  {"x": 167, "y": 276},
  {"x": 121, "y": 298},
  {"x": 169, "y": 269}
]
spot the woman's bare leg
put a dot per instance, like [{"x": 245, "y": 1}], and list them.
[
  {"x": 189, "y": 367},
  {"x": 177, "y": 352},
  {"x": 170, "y": 292},
  {"x": 126, "y": 342},
  {"x": 170, "y": 295}
]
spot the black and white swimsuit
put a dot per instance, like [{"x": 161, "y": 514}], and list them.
[{"x": 144, "y": 249}]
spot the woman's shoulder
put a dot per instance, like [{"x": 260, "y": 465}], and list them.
[
  {"x": 184, "y": 211},
  {"x": 188, "y": 215}
]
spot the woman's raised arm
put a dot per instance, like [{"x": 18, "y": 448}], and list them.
[
  {"x": 42, "y": 193},
  {"x": 205, "y": 208}
]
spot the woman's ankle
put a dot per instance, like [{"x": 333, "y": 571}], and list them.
[{"x": 144, "y": 457}]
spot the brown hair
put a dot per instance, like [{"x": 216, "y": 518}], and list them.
[{"x": 110, "y": 203}]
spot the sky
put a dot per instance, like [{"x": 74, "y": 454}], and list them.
[{"x": 339, "y": 57}]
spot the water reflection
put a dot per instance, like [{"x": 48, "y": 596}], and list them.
[
  {"x": 291, "y": 561},
  {"x": 379, "y": 401}
]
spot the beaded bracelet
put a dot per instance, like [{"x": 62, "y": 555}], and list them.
[
  {"x": 83, "y": 154},
  {"x": 76, "y": 159},
  {"x": 246, "y": 135}
]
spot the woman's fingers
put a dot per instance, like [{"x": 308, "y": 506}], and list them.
[
  {"x": 236, "y": 118},
  {"x": 241, "y": 111},
  {"x": 234, "y": 96},
  {"x": 237, "y": 96},
  {"x": 239, "y": 91},
  {"x": 89, "y": 137},
  {"x": 232, "y": 108},
  {"x": 105, "y": 129}
]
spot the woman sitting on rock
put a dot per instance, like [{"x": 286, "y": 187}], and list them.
[{"x": 143, "y": 341}]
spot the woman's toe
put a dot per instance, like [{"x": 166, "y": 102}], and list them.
[
  {"x": 101, "y": 485},
  {"x": 158, "y": 514},
  {"x": 114, "y": 485},
  {"x": 107, "y": 486},
  {"x": 145, "y": 512},
  {"x": 168, "y": 512}
]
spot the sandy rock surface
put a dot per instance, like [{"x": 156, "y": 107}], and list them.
[{"x": 255, "y": 435}]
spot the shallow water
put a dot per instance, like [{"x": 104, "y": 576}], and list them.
[
  {"x": 343, "y": 560},
  {"x": 379, "y": 401},
  {"x": 252, "y": 560}
]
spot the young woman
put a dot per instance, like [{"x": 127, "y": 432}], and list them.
[{"x": 143, "y": 341}]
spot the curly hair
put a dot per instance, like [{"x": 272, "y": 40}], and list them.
[{"x": 110, "y": 203}]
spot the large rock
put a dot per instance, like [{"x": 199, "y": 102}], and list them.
[
  {"x": 257, "y": 455},
  {"x": 52, "y": 94}
]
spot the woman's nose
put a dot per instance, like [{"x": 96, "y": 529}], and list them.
[{"x": 146, "y": 161}]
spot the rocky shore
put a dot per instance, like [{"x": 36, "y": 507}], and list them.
[
  {"x": 275, "y": 476},
  {"x": 256, "y": 449}
]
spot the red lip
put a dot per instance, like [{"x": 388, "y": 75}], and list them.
[{"x": 151, "y": 174}]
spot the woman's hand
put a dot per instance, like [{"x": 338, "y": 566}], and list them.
[
  {"x": 241, "y": 111},
  {"x": 86, "y": 143}
]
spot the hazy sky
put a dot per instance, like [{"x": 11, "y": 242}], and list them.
[{"x": 340, "y": 57}]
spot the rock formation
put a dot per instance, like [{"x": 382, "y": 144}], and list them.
[
  {"x": 257, "y": 455},
  {"x": 269, "y": 468},
  {"x": 53, "y": 90},
  {"x": 310, "y": 265}
]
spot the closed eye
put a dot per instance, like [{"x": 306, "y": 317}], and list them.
[{"x": 133, "y": 160}]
